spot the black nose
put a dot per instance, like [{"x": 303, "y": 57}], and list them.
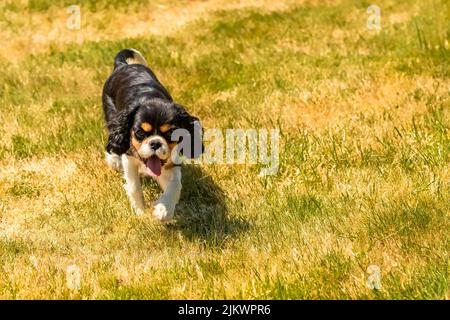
[{"x": 155, "y": 145}]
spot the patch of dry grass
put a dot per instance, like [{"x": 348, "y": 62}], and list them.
[{"x": 363, "y": 180}]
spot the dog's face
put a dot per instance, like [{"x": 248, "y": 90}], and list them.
[
  {"x": 151, "y": 135},
  {"x": 146, "y": 131}
]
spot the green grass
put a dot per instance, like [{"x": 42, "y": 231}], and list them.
[{"x": 364, "y": 158}]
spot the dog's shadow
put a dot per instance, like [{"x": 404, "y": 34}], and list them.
[{"x": 202, "y": 212}]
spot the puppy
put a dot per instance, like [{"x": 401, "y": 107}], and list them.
[{"x": 147, "y": 132}]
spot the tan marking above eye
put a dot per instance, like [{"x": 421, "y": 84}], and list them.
[
  {"x": 165, "y": 127},
  {"x": 147, "y": 127}
]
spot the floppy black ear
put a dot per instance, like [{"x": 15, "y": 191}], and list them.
[
  {"x": 193, "y": 126},
  {"x": 120, "y": 131}
]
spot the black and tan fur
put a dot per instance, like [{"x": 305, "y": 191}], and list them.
[{"x": 141, "y": 118}]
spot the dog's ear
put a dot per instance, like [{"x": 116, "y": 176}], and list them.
[
  {"x": 120, "y": 131},
  {"x": 192, "y": 125}
]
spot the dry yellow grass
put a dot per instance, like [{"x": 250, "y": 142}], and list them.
[
  {"x": 363, "y": 179},
  {"x": 49, "y": 28}
]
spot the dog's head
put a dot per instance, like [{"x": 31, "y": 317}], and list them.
[{"x": 146, "y": 130}]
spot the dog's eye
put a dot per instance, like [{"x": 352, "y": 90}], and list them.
[{"x": 139, "y": 134}]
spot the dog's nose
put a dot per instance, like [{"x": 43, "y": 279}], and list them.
[{"x": 155, "y": 145}]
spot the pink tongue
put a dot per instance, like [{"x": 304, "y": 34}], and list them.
[{"x": 154, "y": 165}]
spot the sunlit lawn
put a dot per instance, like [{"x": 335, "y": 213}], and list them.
[{"x": 364, "y": 151}]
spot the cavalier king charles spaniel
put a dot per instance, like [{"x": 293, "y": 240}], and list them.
[{"x": 148, "y": 132}]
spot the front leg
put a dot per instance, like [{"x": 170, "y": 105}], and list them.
[
  {"x": 133, "y": 183},
  {"x": 170, "y": 182}
]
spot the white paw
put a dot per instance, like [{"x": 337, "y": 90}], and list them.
[
  {"x": 163, "y": 212},
  {"x": 114, "y": 161}
]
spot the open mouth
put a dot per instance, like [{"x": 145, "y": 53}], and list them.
[{"x": 153, "y": 165}]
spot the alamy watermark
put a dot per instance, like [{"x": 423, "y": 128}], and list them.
[
  {"x": 374, "y": 279},
  {"x": 74, "y": 20},
  {"x": 73, "y": 277},
  {"x": 230, "y": 146},
  {"x": 374, "y": 19}
]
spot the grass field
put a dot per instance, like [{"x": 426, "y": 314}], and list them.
[{"x": 364, "y": 175}]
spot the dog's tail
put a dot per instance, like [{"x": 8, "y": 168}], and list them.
[{"x": 129, "y": 56}]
